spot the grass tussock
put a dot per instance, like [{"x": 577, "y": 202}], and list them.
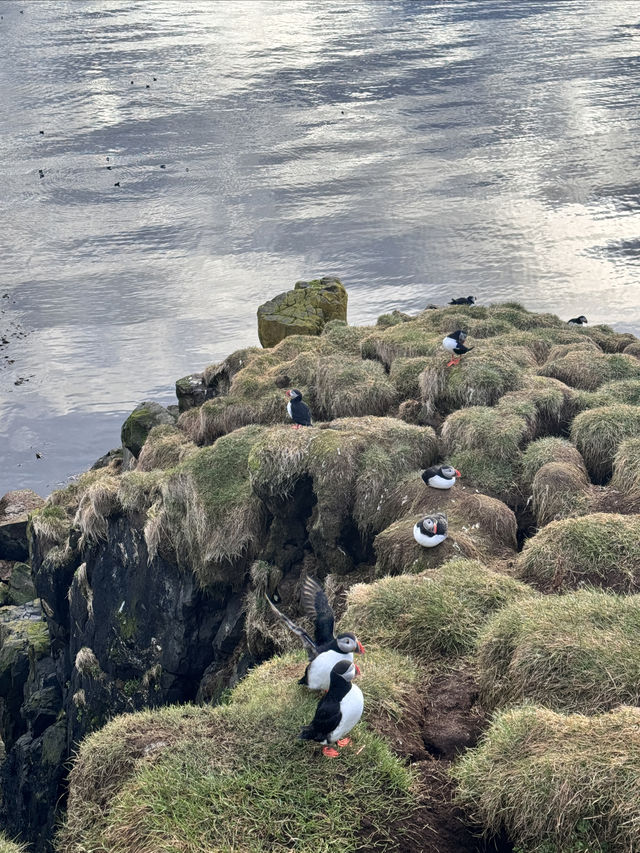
[
  {"x": 588, "y": 369},
  {"x": 597, "y": 433},
  {"x": 350, "y": 388},
  {"x": 607, "y": 339},
  {"x": 7, "y": 846},
  {"x": 209, "y": 511},
  {"x": 139, "y": 490},
  {"x": 435, "y": 614},
  {"x": 600, "y": 549},
  {"x": 165, "y": 447},
  {"x": 345, "y": 339},
  {"x": 633, "y": 348},
  {"x": 51, "y": 526},
  {"x": 575, "y": 652},
  {"x": 556, "y": 782},
  {"x": 405, "y": 340},
  {"x": 545, "y": 450},
  {"x": 620, "y": 391},
  {"x": 97, "y": 504},
  {"x": 626, "y": 467},
  {"x": 560, "y": 490},
  {"x": 405, "y": 375},
  {"x": 252, "y": 785}
]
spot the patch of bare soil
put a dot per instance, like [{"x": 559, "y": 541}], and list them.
[{"x": 452, "y": 719}]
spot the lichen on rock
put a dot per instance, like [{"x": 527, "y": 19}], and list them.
[{"x": 302, "y": 311}]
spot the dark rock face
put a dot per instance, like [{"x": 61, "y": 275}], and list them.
[
  {"x": 140, "y": 422},
  {"x": 14, "y": 513}
]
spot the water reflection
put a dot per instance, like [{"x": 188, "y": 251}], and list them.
[{"x": 412, "y": 148}]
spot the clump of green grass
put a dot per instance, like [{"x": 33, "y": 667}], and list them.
[
  {"x": 633, "y": 349},
  {"x": 405, "y": 375},
  {"x": 7, "y": 846},
  {"x": 560, "y": 490},
  {"x": 165, "y": 447},
  {"x": 587, "y": 368},
  {"x": 97, "y": 503},
  {"x": 607, "y": 339},
  {"x": 545, "y": 450},
  {"x": 209, "y": 511},
  {"x": 600, "y": 549},
  {"x": 626, "y": 467},
  {"x": 493, "y": 476},
  {"x": 575, "y": 652},
  {"x": 51, "y": 525},
  {"x": 352, "y": 388},
  {"x": 556, "y": 782},
  {"x": 405, "y": 340},
  {"x": 620, "y": 391},
  {"x": 393, "y": 318},
  {"x": 252, "y": 785},
  {"x": 597, "y": 433},
  {"x": 435, "y": 614},
  {"x": 344, "y": 338}
]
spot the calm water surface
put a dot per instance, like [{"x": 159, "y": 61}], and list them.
[{"x": 415, "y": 149}]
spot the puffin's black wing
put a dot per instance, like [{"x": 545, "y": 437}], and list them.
[
  {"x": 430, "y": 472},
  {"x": 317, "y": 607},
  {"x": 300, "y": 413},
  {"x": 461, "y": 349},
  {"x": 307, "y": 642},
  {"x": 326, "y": 719}
]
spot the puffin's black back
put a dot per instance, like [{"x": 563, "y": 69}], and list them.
[
  {"x": 429, "y": 473},
  {"x": 300, "y": 413},
  {"x": 328, "y": 714}
]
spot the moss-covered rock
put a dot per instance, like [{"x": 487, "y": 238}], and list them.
[
  {"x": 576, "y": 652},
  {"x": 302, "y": 311},
  {"x": 20, "y": 585},
  {"x": 140, "y": 422},
  {"x": 556, "y": 782},
  {"x": 601, "y": 549},
  {"x": 598, "y": 433}
]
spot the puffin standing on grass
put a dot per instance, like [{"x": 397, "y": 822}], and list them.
[
  {"x": 338, "y": 711},
  {"x": 578, "y": 321},
  {"x": 463, "y": 300},
  {"x": 431, "y": 531},
  {"x": 443, "y": 477},
  {"x": 455, "y": 344},
  {"x": 327, "y": 650},
  {"x": 298, "y": 411}
]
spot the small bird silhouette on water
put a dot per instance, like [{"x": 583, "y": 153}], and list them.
[
  {"x": 41, "y": 173},
  {"x": 147, "y": 86},
  {"x": 155, "y": 78},
  {"x": 163, "y": 166},
  {"x": 132, "y": 82},
  {"x": 463, "y": 300},
  {"x": 109, "y": 168},
  {"x": 42, "y": 133},
  {"x": 117, "y": 184},
  {"x": 38, "y": 455}
]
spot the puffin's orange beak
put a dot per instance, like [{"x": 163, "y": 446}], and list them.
[
  {"x": 357, "y": 669},
  {"x": 287, "y": 393},
  {"x": 360, "y": 648},
  {"x": 457, "y": 472},
  {"x": 435, "y": 528}
]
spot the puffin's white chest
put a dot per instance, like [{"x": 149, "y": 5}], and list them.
[
  {"x": 450, "y": 343},
  {"x": 427, "y": 541},
  {"x": 319, "y": 672},
  {"x": 438, "y": 482},
  {"x": 351, "y": 709},
  {"x": 289, "y": 409}
]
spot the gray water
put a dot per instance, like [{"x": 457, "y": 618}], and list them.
[{"x": 418, "y": 150}]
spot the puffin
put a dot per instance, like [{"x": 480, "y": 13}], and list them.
[
  {"x": 455, "y": 344},
  {"x": 338, "y": 711},
  {"x": 298, "y": 411},
  {"x": 463, "y": 300},
  {"x": 443, "y": 477},
  {"x": 431, "y": 531},
  {"x": 578, "y": 321},
  {"x": 326, "y": 650}
]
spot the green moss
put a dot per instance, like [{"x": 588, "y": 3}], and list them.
[
  {"x": 246, "y": 771},
  {"x": 555, "y": 782},
  {"x": 597, "y": 433},
  {"x": 601, "y": 549},
  {"x": 38, "y": 638},
  {"x": 438, "y": 614},
  {"x": 576, "y": 652}
]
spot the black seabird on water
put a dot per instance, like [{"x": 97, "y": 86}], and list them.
[
  {"x": 326, "y": 650},
  {"x": 440, "y": 477},
  {"x": 431, "y": 530},
  {"x": 578, "y": 321},
  {"x": 455, "y": 344},
  {"x": 298, "y": 411},
  {"x": 338, "y": 711},
  {"x": 463, "y": 300}
]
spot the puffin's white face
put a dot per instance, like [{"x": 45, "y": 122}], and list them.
[
  {"x": 449, "y": 473},
  {"x": 351, "y": 673},
  {"x": 293, "y": 394},
  {"x": 429, "y": 524},
  {"x": 349, "y": 643}
]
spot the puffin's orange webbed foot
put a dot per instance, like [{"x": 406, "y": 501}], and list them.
[
  {"x": 345, "y": 741},
  {"x": 453, "y": 361},
  {"x": 330, "y": 752}
]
